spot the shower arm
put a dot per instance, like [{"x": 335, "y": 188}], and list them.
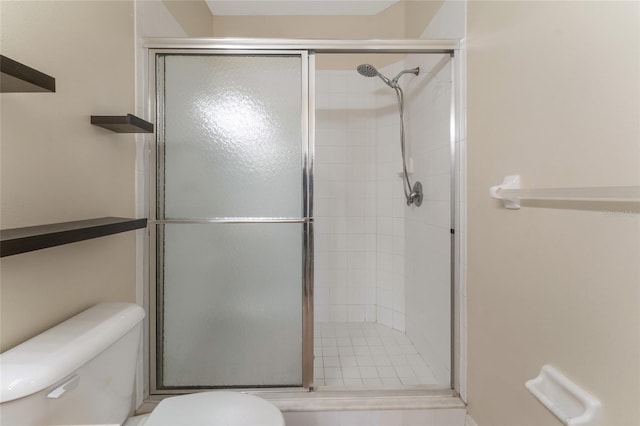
[{"x": 394, "y": 82}]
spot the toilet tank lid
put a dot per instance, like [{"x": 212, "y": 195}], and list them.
[{"x": 49, "y": 357}]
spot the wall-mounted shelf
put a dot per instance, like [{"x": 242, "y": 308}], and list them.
[
  {"x": 122, "y": 123},
  {"x": 511, "y": 193},
  {"x": 19, "y": 78},
  {"x": 22, "y": 240}
]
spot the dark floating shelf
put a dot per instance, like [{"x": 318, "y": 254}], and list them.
[
  {"x": 18, "y": 78},
  {"x": 22, "y": 240},
  {"x": 122, "y": 123}
]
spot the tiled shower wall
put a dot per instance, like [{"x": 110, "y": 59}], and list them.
[
  {"x": 377, "y": 259},
  {"x": 390, "y": 205},
  {"x": 345, "y": 198},
  {"x": 428, "y": 227}
]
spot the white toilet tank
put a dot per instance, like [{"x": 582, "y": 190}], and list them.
[{"x": 79, "y": 372}]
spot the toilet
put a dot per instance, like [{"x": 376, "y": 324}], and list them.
[{"x": 81, "y": 372}]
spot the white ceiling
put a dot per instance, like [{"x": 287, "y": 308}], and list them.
[{"x": 298, "y": 7}]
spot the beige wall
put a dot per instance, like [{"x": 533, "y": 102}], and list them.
[
  {"x": 553, "y": 95},
  {"x": 193, "y": 16},
  {"x": 405, "y": 19},
  {"x": 417, "y": 16},
  {"x": 387, "y": 24},
  {"x": 56, "y": 167}
]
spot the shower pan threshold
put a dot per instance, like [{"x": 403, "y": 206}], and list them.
[{"x": 345, "y": 399}]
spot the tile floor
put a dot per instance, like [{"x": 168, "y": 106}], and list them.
[{"x": 352, "y": 354}]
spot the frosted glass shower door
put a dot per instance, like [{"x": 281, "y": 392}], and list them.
[{"x": 230, "y": 220}]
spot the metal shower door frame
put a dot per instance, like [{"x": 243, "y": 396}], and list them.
[
  {"x": 308, "y": 47},
  {"x": 154, "y": 288}
]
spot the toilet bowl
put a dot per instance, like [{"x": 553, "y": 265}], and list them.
[
  {"x": 211, "y": 408},
  {"x": 82, "y": 372}
]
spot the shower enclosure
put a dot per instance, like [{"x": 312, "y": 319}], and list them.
[
  {"x": 284, "y": 253},
  {"x": 383, "y": 262}
]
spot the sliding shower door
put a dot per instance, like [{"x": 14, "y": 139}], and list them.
[{"x": 232, "y": 220}]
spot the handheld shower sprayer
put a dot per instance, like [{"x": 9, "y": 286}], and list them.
[
  {"x": 369, "y": 70},
  {"x": 413, "y": 193}
]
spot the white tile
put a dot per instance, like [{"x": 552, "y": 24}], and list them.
[
  {"x": 388, "y": 340},
  {"x": 397, "y": 360},
  {"x": 451, "y": 417},
  {"x": 381, "y": 360},
  {"x": 355, "y": 313},
  {"x": 357, "y": 296},
  {"x": 415, "y": 360},
  {"x": 338, "y": 296},
  {"x": 332, "y": 373},
  {"x": 359, "y": 341},
  {"x": 384, "y": 372},
  {"x": 378, "y": 350},
  {"x": 385, "y": 316},
  {"x": 368, "y": 372},
  {"x": 299, "y": 419},
  {"x": 331, "y": 361},
  {"x": 341, "y": 333},
  {"x": 408, "y": 350},
  {"x": 311, "y": 418},
  {"x": 345, "y": 351},
  {"x": 404, "y": 371},
  {"x": 355, "y": 418},
  {"x": 374, "y": 341},
  {"x": 401, "y": 339},
  {"x": 398, "y": 321},
  {"x": 343, "y": 341},
  {"x": 351, "y": 373},
  {"x": 365, "y": 360},
  {"x": 338, "y": 313},
  {"x": 391, "y": 381},
  {"x": 386, "y": 418},
  {"x": 330, "y": 351},
  {"x": 421, "y": 370},
  {"x": 348, "y": 361},
  {"x": 419, "y": 418},
  {"x": 369, "y": 362},
  {"x": 362, "y": 350},
  {"x": 357, "y": 334},
  {"x": 329, "y": 341}
]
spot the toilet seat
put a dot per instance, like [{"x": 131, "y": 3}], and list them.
[{"x": 215, "y": 408}]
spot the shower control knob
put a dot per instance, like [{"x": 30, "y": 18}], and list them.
[{"x": 416, "y": 195}]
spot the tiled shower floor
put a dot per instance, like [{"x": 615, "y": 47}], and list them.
[{"x": 352, "y": 354}]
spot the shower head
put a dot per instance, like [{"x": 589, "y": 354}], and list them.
[{"x": 369, "y": 70}]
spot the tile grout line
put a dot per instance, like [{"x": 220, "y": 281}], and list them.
[{"x": 368, "y": 349}]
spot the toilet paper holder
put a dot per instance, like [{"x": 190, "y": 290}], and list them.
[{"x": 567, "y": 401}]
